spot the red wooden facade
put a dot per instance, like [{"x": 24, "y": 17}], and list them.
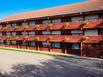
[{"x": 80, "y": 32}]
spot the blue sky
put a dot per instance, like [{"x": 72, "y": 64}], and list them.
[{"x": 9, "y": 7}]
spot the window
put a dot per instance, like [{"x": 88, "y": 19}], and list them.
[
  {"x": 56, "y": 45},
  {"x": 13, "y": 42},
  {"x": 101, "y": 32},
  {"x": 91, "y": 17},
  {"x": 31, "y": 43},
  {"x": 76, "y": 32},
  {"x": 23, "y": 43},
  {"x": 24, "y": 23},
  {"x": 31, "y": 33},
  {"x": 32, "y": 23},
  {"x": 56, "y": 21},
  {"x": 46, "y": 22},
  {"x": 76, "y": 19},
  {"x": 91, "y": 32},
  {"x": 0, "y": 34},
  {"x": 8, "y": 34},
  {"x": 13, "y": 33},
  {"x": 56, "y": 32},
  {"x": 75, "y": 46},
  {"x": 45, "y": 32},
  {"x": 44, "y": 44},
  {"x": 24, "y": 33},
  {"x": 14, "y": 24}
]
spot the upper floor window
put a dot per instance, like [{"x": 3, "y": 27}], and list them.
[
  {"x": 75, "y": 46},
  {"x": 100, "y": 32},
  {"x": 56, "y": 32},
  {"x": 91, "y": 17},
  {"x": 24, "y": 23},
  {"x": 31, "y": 33},
  {"x": 46, "y": 21},
  {"x": 76, "y": 32},
  {"x": 45, "y": 32},
  {"x": 56, "y": 21},
  {"x": 0, "y": 34},
  {"x": 91, "y": 32},
  {"x": 8, "y": 34},
  {"x": 76, "y": 19},
  {"x": 14, "y": 24},
  {"x": 13, "y": 33},
  {"x": 24, "y": 33},
  {"x": 56, "y": 45},
  {"x": 32, "y": 23}
]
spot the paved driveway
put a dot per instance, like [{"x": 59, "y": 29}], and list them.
[{"x": 19, "y": 64}]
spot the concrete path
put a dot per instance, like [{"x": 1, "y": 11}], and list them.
[{"x": 19, "y": 64}]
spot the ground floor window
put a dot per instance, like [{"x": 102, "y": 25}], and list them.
[
  {"x": 13, "y": 42},
  {"x": 23, "y": 43},
  {"x": 75, "y": 46},
  {"x": 56, "y": 45},
  {"x": 31, "y": 43},
  {"x": 45, "y": 44}
]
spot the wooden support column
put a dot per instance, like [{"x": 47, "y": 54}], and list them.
[
  {"x": 65, "y": 50},
  {"x": 81, "y": 51},
  {"x": 26, "y": 44},
  {"x": 38, "y": 45}
]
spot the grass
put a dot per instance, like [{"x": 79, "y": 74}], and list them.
[{"x": 36, "y": 52}]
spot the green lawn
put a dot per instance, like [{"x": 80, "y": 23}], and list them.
[{"x": 36, "y": 52}]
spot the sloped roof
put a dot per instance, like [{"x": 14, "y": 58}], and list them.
[{"x": 91, "y": 5}]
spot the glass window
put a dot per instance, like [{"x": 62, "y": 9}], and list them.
[
  {"x": 46, "y": 21},
  {"x": 56, "y": 32},
  {"x": 23, "y": 43},
  {"x": 56, "y": 21},
  {"x": 101, "y": 32},
  {"x": 56, "y": 45},
  {"x": 31, "y": 43},
  {"x": 76, "y": 19},
  {"x": 8, "y": 34},
  {"x": 24, "y": 33},
  {"x": 45, "y": 44},
  {"x": 24, "y": 23},
  {"x": 14, "y": 24},
  {"x": 0, "y": 34},
  {"x": 13, "y": 33},
  {"x": 32, "y": 23},
  {"x": 90, "y": 32},
  {"x": 31, "y": 33},
  {"x": 45, "y": 32},
  {"x": 75, "y": 46},
  {"x": 91, "y": 17},
  {"x": 76, "y": 32},
  {"x": 13, "y": 42}
]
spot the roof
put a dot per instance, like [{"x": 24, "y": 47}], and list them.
[{"x": 92, "y": 5}]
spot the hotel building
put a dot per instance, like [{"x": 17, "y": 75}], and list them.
[{"x": 70, "y": 29}]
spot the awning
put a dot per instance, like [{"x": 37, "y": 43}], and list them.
[
  {"x": 95, "y": 24},
  {"x": 19, "y": 38},
  {"x": 29, "y": 38},
  {"x": 41, "y": 27},
  {"x": 56, "y": 38},
  {"x": 30, "y": 28},
  {"x": 57, "y": 26},
  {"x": 72, "y": 39},
  {"x": 11, "y": 29},
  {"x": 74, "y": 25},
  {"x": 20, "y": 28},
  {"x": 94, "y": 39}
]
